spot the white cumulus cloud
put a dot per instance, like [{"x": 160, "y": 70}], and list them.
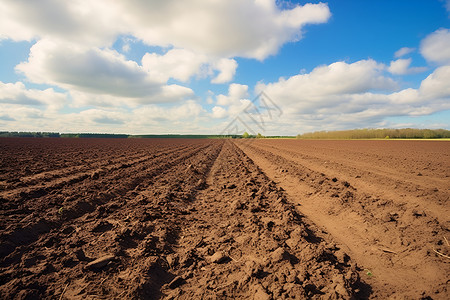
[
  {"x": 348, "y": 95},
  {"x": 80, "y": 21},
  {"x": 436, "y": 85},
  {"x": 402, "y": 66},
  {"x": 227, "y": 69},
  {"x": 74, "y": 40},
  {"x": 236, "y": 92},
  {"x": 17, "y": 93},
  {"x": 73, "y": 47},
  {"x": 102, "y": 73},
  {"x": 404, "y": 51},
  {"x": 232, "y": 104},
  {"x": 217, "y": 28},
  {"x": 325, "y": 85},
  {"x": 220, "y": 28},
  {"x": 219, "y": 112},
  {"x": 182, "y": 64},
  {"x": 436, "y": 47}
]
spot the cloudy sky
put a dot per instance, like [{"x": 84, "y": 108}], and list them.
[{"x": 194, "y": 66}]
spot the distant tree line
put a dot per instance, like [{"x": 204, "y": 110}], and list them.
[
  {"x": 60, "y": 135},
  {"x": 405, "y": 133},
  {"x": 247, "y": 135},
  {"x": 94, "y": 135},
  {"x": 29, "y": 134},
  {"x": 111, "y": 135},
  {"x": 182, "y": 136}
]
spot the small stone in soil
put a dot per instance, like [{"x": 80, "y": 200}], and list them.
[
  {"x": 219, "y": 258},
  {"x": 100, "y": 262}
]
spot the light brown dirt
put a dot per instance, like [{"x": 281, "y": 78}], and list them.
[
  {"x": 191, "y": 219},
  {"x": 386, "y": 203}
]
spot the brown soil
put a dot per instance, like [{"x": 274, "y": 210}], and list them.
[
  {"x": 386, "y": 203},
  {"x": 191, "y": 219}
]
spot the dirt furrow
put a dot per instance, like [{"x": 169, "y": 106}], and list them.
[
  {"x": 45, "y": 210},
  {"x": 88, "y": 168},
  {"x": 31, "y": 156},
  {"x": 134, "y": 228},
  {"x": 386, "y": 237},
  {"x": 37, "y": 187},
  {"x": 244, "y": 239},
  {"x": 426, "y": 192}
]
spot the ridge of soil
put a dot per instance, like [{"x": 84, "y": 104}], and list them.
[
  {"x": 385, "y": 203},
  {"x": 248, "y": 240}
]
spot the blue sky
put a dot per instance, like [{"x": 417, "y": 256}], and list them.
[{"x": 194, "y": 66}]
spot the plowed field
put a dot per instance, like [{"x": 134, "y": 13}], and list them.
[{"x": 193, "y": 219}]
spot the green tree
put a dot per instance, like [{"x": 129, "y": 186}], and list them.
[{"x": 246, "y": 135}]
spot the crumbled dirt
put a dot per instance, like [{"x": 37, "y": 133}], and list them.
[
  {"x": 248, "y": 240},
  {"x": 192, "y": 219},
  {"x": 369, "y": 197}
]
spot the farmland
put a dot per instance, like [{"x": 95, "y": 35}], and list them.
[{"x": 222, "y": 218}]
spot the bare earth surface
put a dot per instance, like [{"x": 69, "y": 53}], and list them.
[
  {"x": 192, "y": 219},
  {"x": 386, "y": 203}
]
